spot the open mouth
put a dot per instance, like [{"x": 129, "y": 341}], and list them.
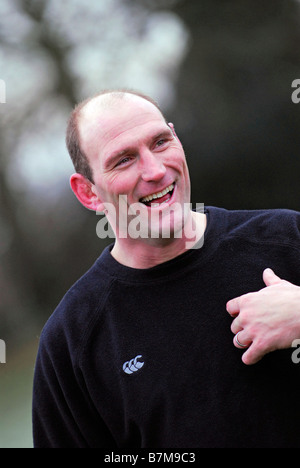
[{"x": 156, "y": 199}]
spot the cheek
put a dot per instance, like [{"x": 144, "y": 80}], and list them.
[
  {"x": 124, "y": 183},
  {"x": 177, "y": 160},
  {"x": 119, "y": 184}
]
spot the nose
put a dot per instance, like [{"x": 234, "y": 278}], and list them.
[{"x": 152, "y": 167}]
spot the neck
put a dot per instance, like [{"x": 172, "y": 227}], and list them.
[{"x": 147, "y": 253}]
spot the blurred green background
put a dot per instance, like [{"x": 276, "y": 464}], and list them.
[{"x": 222, "y": 72}]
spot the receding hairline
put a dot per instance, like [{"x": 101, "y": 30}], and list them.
[
  {"x": 110, "y": 98},
  {"x": 73, "y": 137}
]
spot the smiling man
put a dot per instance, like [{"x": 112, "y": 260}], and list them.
[
  {"x": 139, "y": 352},
  {"x": 135, "y": 155}
]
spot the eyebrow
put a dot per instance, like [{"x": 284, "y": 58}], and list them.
[{"x": 113, "y": 157}]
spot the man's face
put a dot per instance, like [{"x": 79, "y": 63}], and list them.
[{"x": 134, "y": 154}]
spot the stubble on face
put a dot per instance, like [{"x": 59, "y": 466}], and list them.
[{"x": 107, "y": 121}]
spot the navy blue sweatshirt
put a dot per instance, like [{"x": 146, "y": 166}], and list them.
[{"x": 144, "y": 358}]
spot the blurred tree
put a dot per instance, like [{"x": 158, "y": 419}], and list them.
[
  {"x": 38, "y": 260},
  {"x": 52, "y": 55}
]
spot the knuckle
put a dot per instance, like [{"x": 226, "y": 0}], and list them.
[
  {"x": 245, "y": 301},
  {"x": 244, "y": 318},
  {"x": 246, "y": 309}
]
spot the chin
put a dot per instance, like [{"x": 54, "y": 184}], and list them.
[{"x": 168, "y": 227}]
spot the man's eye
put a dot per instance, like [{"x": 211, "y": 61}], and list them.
[
  {"x": 160, "y": 142},
  {"x": 124, "y": 161}
]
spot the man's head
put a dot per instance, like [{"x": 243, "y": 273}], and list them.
[
  {"x": 78, "y": 156},
  {"x": 122, "y": 146}
]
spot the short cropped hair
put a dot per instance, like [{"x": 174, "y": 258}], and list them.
[{"x": 78, "y": 157}]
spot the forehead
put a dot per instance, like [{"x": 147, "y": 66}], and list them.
[{"x": 106, "y": 123}]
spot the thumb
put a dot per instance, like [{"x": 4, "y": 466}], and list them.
[{"x": 270, "y": 278}]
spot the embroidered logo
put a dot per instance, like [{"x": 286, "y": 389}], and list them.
[{"x": 129, "y": 367}]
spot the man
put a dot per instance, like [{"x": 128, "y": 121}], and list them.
[{"x": 139, "y": 351}]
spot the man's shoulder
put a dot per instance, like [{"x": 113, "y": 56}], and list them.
[
  {"x": 252, "y": 214},
  {"x": 281, "y": 222},
  {"x": 79, "y": 307},
  {"x": 278, "y": 225}
]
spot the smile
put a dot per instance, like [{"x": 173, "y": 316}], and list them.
[{"x": 159, "y": 197}]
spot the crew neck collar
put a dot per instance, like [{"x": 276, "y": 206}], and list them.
[{"x": 171, "y": 267}]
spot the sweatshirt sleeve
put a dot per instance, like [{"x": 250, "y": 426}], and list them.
[{"x": 63, "y": 415}]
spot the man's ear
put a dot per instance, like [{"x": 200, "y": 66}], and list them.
[
  {"x": 85, "y": 192},
  {"x": 173, "y": 130}
]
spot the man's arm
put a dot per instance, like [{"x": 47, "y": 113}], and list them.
[
  {"x": 266, "y": 320},
  {"x": 63, "y": 415}
]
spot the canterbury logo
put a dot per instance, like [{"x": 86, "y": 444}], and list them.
[{"x": 133, "y": 365}]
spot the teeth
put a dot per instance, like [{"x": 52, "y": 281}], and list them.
[{"x": 158, "y": 194}]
